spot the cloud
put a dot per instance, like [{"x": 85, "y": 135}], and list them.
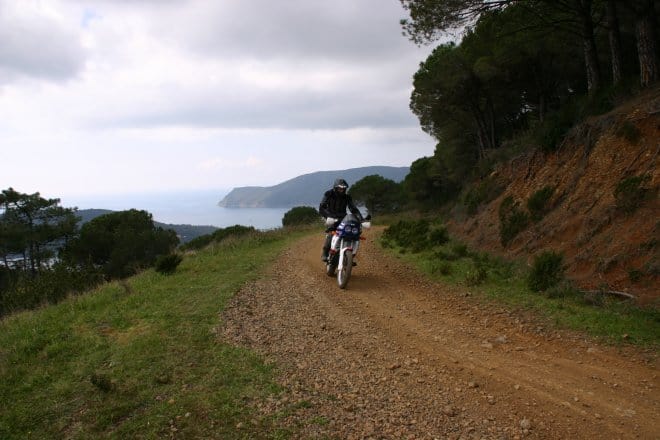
[
  {"x": 307, "y": 30},
  {"x": 37, "y": 43},
  {"x": 145, "y": 94},
  {"x": 222, "y": 163}
]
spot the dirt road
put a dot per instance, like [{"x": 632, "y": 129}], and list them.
[{"x": 398, "y": 357}]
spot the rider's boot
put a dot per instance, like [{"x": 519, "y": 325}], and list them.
[{"x": 326, "y": 248}]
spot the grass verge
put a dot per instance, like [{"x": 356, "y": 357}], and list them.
[
  {"x": 141, "y": 358},
  {"x": 609, "y": 319}
]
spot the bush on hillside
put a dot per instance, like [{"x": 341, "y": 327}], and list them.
[
  {"x": 120, "y": 243},
  {"x": 217, "y": 236},
  {"x": 21, "y": 291},
  {"x": 556, "y": 125},
  {"x": 483, "y": 192},
  {"x": 167, "y": 264},
  {"x": 547, "y": 271},
  {"x": 409, "y": 234},
  {"x": 538, "y": 203},
  {"x": 415, "y": 235},
  {"x": 630, "y": 193},
  {"x": 512, "y": 220},
  {"x": 629, "y": 131},
  {"x": 300, "y": 215}
]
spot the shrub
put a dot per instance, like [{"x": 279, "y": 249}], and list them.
[
  {"x": 217, "y": 236},
  {"x": 24, "y": 292},
  {"x": 537, "y": 204},
  {"x": 411, "y": 234},
  {"x": 460, "y": 249},
  {"x": 483, "y": 192},
  {"x": 438, "y": 236},
  {"x": 630, "y": 193},
  {"x": 547, "y": 271},
  {"x": 120, "y": 243},
  {"x": 635, "y": 275},
  {"x": 300, "y": 215},
  {"x": 563, "y": 289},
  {"x": 443, "y": 267},
  {"x": 629, "y": 132},
  {"x": 167, "y": 264},
  {"x": 555, "y": 126},
  {"x": 476, "y": 275},
  {"x": 444, "y": 255},
  {"x": 512, "y": 220}
]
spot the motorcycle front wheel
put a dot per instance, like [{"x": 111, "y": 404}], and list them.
[{"x": 345, "y": 273}]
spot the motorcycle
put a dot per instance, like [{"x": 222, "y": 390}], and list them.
[{"x": 344, "y": 247}]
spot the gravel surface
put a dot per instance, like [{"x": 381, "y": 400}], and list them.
[{"x": 395, "y": 356}]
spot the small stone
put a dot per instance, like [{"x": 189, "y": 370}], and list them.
[
  {"x": 449, "y": 411},
  {"x": 525, "y": 424},
  {"x": 473, "y": 385}
]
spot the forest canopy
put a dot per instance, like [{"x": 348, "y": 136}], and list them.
[{"x": 524, "y": 72}]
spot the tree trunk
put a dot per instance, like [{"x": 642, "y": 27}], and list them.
[
  {"x": 614, "y": 35},
  {"x": 646, "y": 44},
  {"x": 589, "y": 45},
  {"x": 491, "y": 122}
]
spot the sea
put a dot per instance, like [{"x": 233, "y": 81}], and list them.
[{"x": 199, "y": 208}]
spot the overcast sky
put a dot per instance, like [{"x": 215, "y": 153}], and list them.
[{"x": 117, "y": 96}]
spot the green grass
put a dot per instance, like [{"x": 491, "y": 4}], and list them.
[
  {"x": 140, "y": 359},
  {"x": 612, "y": 320}
]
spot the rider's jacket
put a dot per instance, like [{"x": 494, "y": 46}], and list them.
[{"x": 334, "y": 205}]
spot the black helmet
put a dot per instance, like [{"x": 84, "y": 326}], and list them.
[{"x": 340, "y": 184}]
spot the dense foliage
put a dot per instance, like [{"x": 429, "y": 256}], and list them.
[
  {"x": 217, "y": 236},
  {"x": 119, "y": 244},
  {"x": 45, "y": 256},
  {"x": 415, "y": 235},
  {"x": 523, "y": 73},
  {"x": 31, "y": 230},
  {"x": 301, "y": 215},
  {"x": 378, "y": 194},
  {"x": 547, "y": 271}
]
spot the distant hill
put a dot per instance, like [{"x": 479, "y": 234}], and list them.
[
  {"x": 305, "y": 190},
  {"x": 184, "y": 232}
]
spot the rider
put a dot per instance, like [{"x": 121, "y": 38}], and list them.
[{"x": 334, "y": 204}]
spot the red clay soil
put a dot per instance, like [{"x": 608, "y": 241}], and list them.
[{"x": 603, "y": 246}]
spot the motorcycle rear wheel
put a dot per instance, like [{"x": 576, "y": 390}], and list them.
[{"x": 345, "y": 273}]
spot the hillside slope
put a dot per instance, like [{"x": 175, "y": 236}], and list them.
[
  {"x": 305, "y": 190},
  {"x": 604, "y": 246}
]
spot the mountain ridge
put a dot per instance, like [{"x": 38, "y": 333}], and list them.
[{"x": 304, "y": 190}]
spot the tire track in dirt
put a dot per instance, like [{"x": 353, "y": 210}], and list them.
[{"x": 397, "y": 356}]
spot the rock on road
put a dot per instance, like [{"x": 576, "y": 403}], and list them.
[{"x": 396, "y": 356}]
